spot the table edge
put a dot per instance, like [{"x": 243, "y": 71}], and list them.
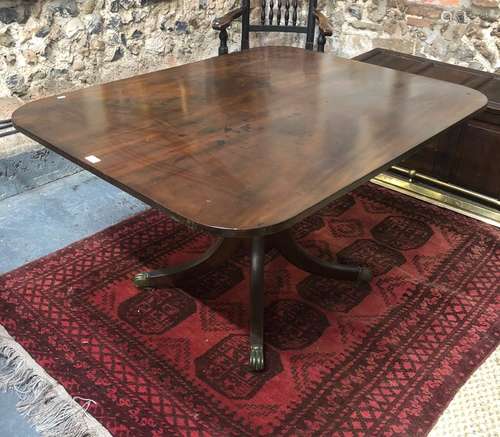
[
  {"x": 249, "y": 231},
  {"x": 253, "y": 231}
]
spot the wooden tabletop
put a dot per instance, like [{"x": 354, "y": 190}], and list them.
[{"x": 247, "y": 143}]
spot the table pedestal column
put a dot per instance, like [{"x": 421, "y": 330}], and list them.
[{"x": 224, "y": 248}]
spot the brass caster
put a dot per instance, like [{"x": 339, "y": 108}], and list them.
[
  {"x": 257, "y": 358},
  {"x": 365, "y": 275},
  {"x": 141, "y": 280}
]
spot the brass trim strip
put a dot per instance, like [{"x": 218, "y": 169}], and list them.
[
  {"x": 440, "y": 198},
  {"x": 412, "y": 174}
]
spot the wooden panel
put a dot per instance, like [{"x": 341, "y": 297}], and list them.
[
  {"x": 476, "y": 161},
  {"x": 434, "y": 157},
  {"x": 467, "y": 157},
  {"x": 491, "y": 88},
  {"x": 249, "y": 142},
  {"x": 389, "y": 60},
  {"x": 423, "y": 159},
  {"x": 487, "y": 83},
  {"x": 449, "y": 74}
]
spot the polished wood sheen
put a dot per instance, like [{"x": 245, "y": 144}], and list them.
[
  {"x": 248, "y": 143},
  {"x": 225, "y": 21},
  {"x": 467, "y": 155}
]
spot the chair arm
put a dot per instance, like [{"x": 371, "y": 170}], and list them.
[
  {"x": 224, "y": 21},
  {"x": 323, "y": 23}
]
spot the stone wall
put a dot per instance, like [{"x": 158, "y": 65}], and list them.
[
  {"x": 49, "y": 46},
  {"x": 464, "y": 32}
]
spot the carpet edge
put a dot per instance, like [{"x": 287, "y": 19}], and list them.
[{"x": 42, "y": 400}]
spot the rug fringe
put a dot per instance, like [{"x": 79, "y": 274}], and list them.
[{"x": 42, "y": 400}]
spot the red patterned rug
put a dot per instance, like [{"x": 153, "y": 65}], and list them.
[{"x": 383, "y": 359}]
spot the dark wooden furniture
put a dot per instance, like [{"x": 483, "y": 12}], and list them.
[
  {"x": 467, "y": 156},
  {"x": 275, "y": 16},
  {"x": 246, "y": 145}
]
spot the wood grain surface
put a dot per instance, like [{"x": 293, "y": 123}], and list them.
[{"x": 248, "y": 143}]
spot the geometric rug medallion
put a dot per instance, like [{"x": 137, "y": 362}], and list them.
[{"x": 383, "y": 358}]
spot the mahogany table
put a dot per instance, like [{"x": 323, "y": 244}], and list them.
[{"x": 246, "y": 145}]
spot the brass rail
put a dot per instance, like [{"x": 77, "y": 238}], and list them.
[
  {"x": 413, "y": 175},
  {"x": 426, "y": 189}
]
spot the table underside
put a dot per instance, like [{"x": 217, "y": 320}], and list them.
[{"x": 222, "y": 250}]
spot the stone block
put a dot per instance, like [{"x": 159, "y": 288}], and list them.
[
  {"x": 487, "y": 10},
  {"x": 424, "y": 10},
  {"x": 366, "y": 25},
  {"x": 88, "y": 41},
  {"x": 8, "y": 15},
  {"x": 438, "y": 3},
  {"x": 486, "y": 3},
  {"x": 419, "y": 21},
  {"x": 33, "y": 168},
  {"x": 25, "y": 164},
  {"x": 399, "y": 45},
  {"x": 18, "y": 143}
]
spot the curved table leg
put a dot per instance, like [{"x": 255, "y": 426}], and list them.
[
  {"x": 257, "y": 305},
  {"x": 294, "y": 254},
  {"x": 216, "y": 255}
]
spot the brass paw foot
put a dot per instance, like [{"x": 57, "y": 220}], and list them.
[
  {"x": 257, "y": 358},
  {"x": 365, "y": 275},
  {"x": 141, "y": 280}
]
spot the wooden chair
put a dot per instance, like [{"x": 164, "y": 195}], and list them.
[{"x": 275, "y": 16}]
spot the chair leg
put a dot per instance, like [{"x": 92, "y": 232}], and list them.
[
  {"x": 215, "y": 256},
  {"x": 294, "y": 254},
  {"x": 321, "y": 42},
  {"x": 257, "y": 305},
  {"x": 223, "y": 49}
]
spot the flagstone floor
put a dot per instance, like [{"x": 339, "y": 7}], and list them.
[
  {"x": 46, "y": 219},
  {"x": 43, "y": 220}
]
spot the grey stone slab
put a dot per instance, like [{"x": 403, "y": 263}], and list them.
[
  {"x": 12, "y": 424},
  {"x": 25, "y": 164},
  {"x": 43, "y": 220},
  {"x": 31, "y": 169},
  {"x": 13, "y": 144}
]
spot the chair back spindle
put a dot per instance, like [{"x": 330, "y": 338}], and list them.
[
  {"x": 282, "y": 10},
  {"x": 276, "y": 16},
  {"x": 295, "y": 7}
]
